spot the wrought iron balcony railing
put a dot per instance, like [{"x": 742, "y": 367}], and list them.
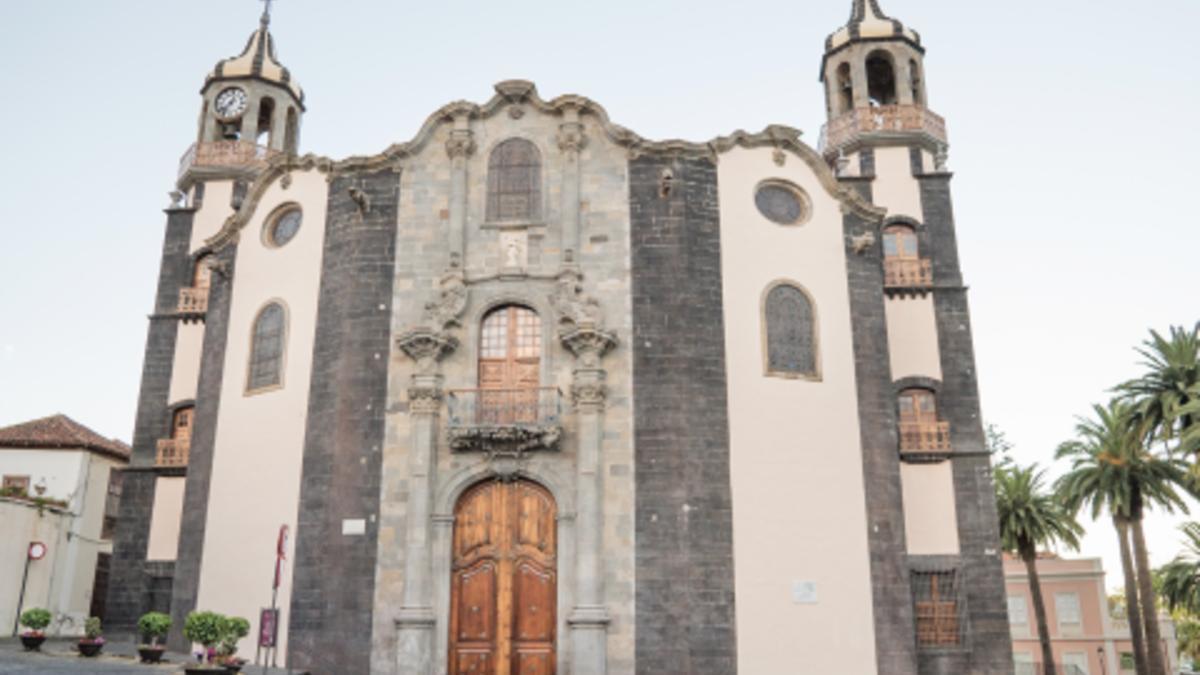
[
  {"x": 224, "y": 154},
  {"x": 192, "y": 300},
  {"x": 173, "y": 451},
  {"x": 907, "y": 273},
  {"x": 931, "y": 437},
  {"x": 504, "y": 420},
  {"x": 851, "y": 126}
]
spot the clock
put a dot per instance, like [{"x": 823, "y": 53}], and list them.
[{"x": 230, "y": 103}]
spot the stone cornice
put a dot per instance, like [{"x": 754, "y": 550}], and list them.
[{"x": 521, "y": 92}]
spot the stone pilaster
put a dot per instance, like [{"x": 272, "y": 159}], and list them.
[
  {"x": 460, "y": 146},
  {"x": 589, "y": 619},
  {"x": 571, "y": 141},
  {"x": 415, "y": 622}
]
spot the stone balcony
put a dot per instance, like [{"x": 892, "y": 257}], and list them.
[
  {"x": 225, "y": 155},
  {"x": 192, "y": 301},
  {"x": 907, "y": 273},
  {"x": 846, "y": 132},
  {"x": 924, "y": 437},
  {"x": 173, "y": 451},
  {"x": 504, "y": 421}
]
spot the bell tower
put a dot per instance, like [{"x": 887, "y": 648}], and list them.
[{"x": 252, "y": 99}]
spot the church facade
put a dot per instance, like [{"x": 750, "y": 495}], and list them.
[{"x": 530, "y": 393}]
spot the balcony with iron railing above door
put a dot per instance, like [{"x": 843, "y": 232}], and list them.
[
  {"x": 844, "y": 132},
  {"x": 173, "y": 452},
  {"x": 912, "y": 274},
  {"x": 192, "y": 301},
  {"x": 504, "y": 421},
  {"x": 931, "y": 437},
  {"x": 229, "y": 154}
]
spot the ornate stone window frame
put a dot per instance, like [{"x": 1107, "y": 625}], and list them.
[
  {"x": 816, "y": 375},
  {"x": 503, "y": 298},
  {"x": 540, "y": 219},
  {"x": 283, "y": 350},
  {"x": 806, "y": 204},
  {"x": 272, "y": 220}
]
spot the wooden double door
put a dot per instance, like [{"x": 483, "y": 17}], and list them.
[{"x": 503, "y": 593}]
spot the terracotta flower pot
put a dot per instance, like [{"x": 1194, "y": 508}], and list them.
[{"x": 150, "y": 654}]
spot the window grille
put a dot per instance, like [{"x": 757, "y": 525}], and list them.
[
  {"x": 514, "y": 182},
  {"x": 935, "y": 601},
  {"x": 791, "y": 332},
  {"x": 266, "y": 351}
]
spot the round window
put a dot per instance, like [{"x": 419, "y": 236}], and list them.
[
  {"x": 781, "y": 203},
  {"x": 284, "y": 226}
]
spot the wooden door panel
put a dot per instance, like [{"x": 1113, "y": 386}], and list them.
[{"x": 504, "y": 586}]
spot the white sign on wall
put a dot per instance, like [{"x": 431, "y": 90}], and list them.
[{"x": 804, "y": 592}]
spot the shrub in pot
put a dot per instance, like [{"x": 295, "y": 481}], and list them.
[
  {"x": 93, "y": 639},
  {"x": 153, "y": 626},
  {"x": 35, "y": 620},
  {"x": 219, "y": 634},
  {"x": 234, "y": 628}
]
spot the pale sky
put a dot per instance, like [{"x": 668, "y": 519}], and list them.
[{"x": 1074, "y": 155}]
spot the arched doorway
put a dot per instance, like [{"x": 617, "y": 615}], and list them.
[{"x": 503, "y": 588}]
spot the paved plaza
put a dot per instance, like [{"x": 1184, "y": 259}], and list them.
[{"x": 59, "y": 657}]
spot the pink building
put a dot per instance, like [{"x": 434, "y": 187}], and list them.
[{"x": 1083, "y": 633}]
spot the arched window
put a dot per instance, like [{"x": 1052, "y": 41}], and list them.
[
  {"x": 914, "y": 81},
  {"x": 845, "y": 89},
  {"x": 266, "y": 348},
  {"x": 201, "y": 272},
  {"x": 917, "y": 406},
  {"x": 510, "y": 355},
  {"x": 514, "y": 182},
  {"x": 791, "y": 332},
  {"x": 920, "y": 429},
  {"x": 881, "y": 78},
  {"x": 266, "y": 119},
  {"x": 900, "y": 242}
]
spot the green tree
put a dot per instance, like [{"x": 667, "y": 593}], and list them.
[
  {"x": 1031, "y": 516},
  {"x": 1166, "y": 397},
  {"x": 1112, "y": 471},
  {"x": 1179, "y": 580}
]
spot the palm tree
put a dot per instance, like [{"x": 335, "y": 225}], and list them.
[
  {"x": 1112, "y": 471},
  {"x": 1179, "y": 580},
  {"x": 1166, "y": 396},
  {"x": 1030, "y": 516}
]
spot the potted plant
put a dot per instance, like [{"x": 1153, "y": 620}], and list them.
[
  {"x": 153, "y": 626},
  {"x": 206, "y": 628},
  {"x": 234, "y": 628},
  {"x": 35, "y": 620},
  {"x": 93, "y": 640}
]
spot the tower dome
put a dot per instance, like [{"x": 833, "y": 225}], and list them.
[
  {"x": 868, "y": 22},
  {"x": 257, "y": 61}
]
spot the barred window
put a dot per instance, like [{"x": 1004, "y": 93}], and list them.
[
  {"x": 790, "y": 332},
  {"x": 514, "y": 181},
  {"x": 935, "y": 602},
  {"x": 266, "y": 348}
]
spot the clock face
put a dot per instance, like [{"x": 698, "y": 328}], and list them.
[{"x": 230, "y": 103}]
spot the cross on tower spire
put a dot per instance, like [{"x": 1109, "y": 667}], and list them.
[{"x": 266, "y": 15}]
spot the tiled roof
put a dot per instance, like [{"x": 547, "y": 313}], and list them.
[{"x": 60, "y": 431}]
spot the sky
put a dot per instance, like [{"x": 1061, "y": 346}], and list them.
[{"x": 1074, "y": 194}]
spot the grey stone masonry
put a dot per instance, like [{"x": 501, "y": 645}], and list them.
[
  {"x": 895, "y": 631},
  {"x": 988, "y": 650},
  {"x": 127, "y": 584},
  {"x": 332, "y": 601},
  {"x": 204, "y": 432},
  {"x": 684, "y": 597}
]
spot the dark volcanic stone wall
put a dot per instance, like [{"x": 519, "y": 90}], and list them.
[
  {"x": 200, "y": 456},
  {"x": 128, "y": 582},
  {"x": 684, "y": 525},
  {"x": 333, "y": 588}
]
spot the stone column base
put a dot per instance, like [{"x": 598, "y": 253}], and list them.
[
  {"x": 589, "y": 645},
  {"x": 414, "y": 640}
]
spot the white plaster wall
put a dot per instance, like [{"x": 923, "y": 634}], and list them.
[
  {"x": 213, "y": 211},
  {"x": 894, "y": 187},
  {"x": 799, "y": 509},
  {"x": 61, "y": 469},
  {"x": 255, "y": 484},
  {"x": 185, "y": 374},
  {"x": 21, "y": 524},
  {"x": 912, "y": 337},
  {"x": 930, "y": 520},
  {"x": 165, "y": 518}
]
